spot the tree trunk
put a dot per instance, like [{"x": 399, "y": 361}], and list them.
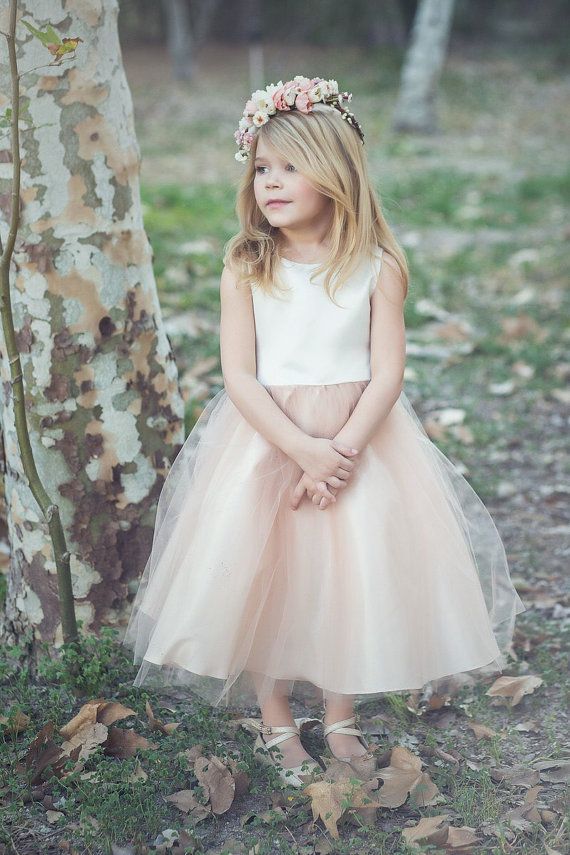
[
  {"x": 389, "y": 28},
  {"x": 179, "y": 38},
  {"x": 106, "y": 417},
  {"x": 255, "y": 44},
  {"x": 415, "y": 109}
]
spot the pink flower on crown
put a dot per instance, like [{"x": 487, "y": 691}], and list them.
[
  {"x": 303, "y": 102},
  {"x": 279, "y": 98}
]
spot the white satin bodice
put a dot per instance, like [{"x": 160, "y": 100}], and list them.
[{"x": 302, "y": 337}]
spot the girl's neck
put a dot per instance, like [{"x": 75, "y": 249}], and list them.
[{"x": 305, "y": 254}]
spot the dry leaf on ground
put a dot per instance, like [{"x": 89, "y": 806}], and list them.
[
  {"x": 434, "y": 830},
  {"x": 157, "y": 724},
  {"x": 514, "y": 688},
  {"x": 331, "y": 799},
  {"x": 404, "y": 777}
]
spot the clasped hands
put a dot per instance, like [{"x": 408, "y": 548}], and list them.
[{"x": 327, "y": 465}]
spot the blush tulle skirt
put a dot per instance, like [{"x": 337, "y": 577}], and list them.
[{"x": 402, "y": 581}]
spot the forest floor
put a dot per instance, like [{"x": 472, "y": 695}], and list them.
[{"x": 482, "y": 210}]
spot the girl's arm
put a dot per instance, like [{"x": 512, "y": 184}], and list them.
[
  {"x": 237, "y": 351},
  {"x": 387, "y": 358}
]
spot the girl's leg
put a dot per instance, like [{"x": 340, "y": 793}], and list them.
[
  {"x": 337, "y": 708},
  {"x": 275, "y": 710}
]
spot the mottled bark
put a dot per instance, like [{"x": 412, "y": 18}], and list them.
[
  {"x": 48, "y": 508},
  {"x": 104, "y": 408},
  {"x": 415, "y": 108}
]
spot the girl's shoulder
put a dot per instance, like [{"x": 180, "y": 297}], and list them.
[
  {"x": 390, "y": 280},
  {"x": 384, "y": 260},
  {"x": 390, "y": 260}
]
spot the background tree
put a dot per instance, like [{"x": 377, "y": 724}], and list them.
[
  {"x": 415, "y": 108},
  {"x": 105, "y": 412},
  {"x": 187, "y": 28}
]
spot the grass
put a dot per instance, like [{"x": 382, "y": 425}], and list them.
[{"x": 118, "y": 804}]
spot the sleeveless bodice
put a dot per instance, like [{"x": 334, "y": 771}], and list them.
[{"x": 302, "y": 337}]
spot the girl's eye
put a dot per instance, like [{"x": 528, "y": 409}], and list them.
[{"x": 257, "y": 168}]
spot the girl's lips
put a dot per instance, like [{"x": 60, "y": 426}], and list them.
[{"x": 276, "y": 204}]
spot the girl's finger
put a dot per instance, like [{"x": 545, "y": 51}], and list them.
[
  {"x": 323, "y": 489},
  {"x": 297, "y": 494}
]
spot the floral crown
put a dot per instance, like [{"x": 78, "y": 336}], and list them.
[{"x": 297, "y": 94}]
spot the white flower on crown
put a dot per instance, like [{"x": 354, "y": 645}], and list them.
[
  {"x": 334, "y": 87},
  {"x": 316, "y": 93},
  {"x": 290, "y": 97},
  {"x": 244, "y": 124},
  {"x": 303, "y": 80},
  {"x": 260, "y": 118},
  {"x": 263, "y": 101},
  {"x": 273, "y": 87}
]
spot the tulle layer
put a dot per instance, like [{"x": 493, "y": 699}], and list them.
[{"x": 404, "y": 580}]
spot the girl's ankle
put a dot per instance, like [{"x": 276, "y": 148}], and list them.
[{"x": 329, "y": 719}]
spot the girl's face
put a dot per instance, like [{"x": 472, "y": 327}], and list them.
[{"x": 276, "y": 178}]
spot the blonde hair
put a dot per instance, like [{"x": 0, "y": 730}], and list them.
[{"x": 329, "y": 154}]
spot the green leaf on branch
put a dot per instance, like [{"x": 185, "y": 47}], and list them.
[
  {"x": 49, "y": 37},
  {"x": 57, "y": 47}
]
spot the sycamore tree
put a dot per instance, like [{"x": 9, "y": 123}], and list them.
[{"x": 100, "y": 385}]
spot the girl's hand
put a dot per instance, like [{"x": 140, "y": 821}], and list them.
[
  {"x": 326, "y": 460},
  {"x": 319, "y": 493}
]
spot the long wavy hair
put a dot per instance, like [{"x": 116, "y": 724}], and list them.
[{"x": 328, "y": 152}]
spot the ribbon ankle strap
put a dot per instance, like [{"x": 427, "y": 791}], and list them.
[
  {"x": 271, "y": 728},
  {"x": 329, "y": 728}
]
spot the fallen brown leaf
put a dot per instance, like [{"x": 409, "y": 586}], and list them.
[
  {"x": 185, "y": 800},
  {"x": 87, "y": 737},
  {"x": 521, "y": 817},
  {"x": 157, "y": 724},
  {"x": 108, "y": 712},
  {"x": 518, "y": 775},
  {"x": 404, "y": 777},
  {"x": 217, "y": 781},
  {"x": 461, "y": 839},
  {"x": 556, "y": 771},
  {"x": 44, "y": 754},
  {"x": 430, "y": 829},
  {"x": 434, "y": 830},
  {"x": 514, "y": 687},
  {"x": 481, "y": 730},
  {"x": 530, "y": 726},
  {"x": 54, "y": 816},
  {"x": 330, "y": 800},
  {"x": 241, "y": 778},
  {"x": 19, "y": 722},
  {"x": 138, "y": 774},
  {"x": 124, "y": 743}
]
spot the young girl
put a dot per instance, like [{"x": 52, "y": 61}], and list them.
[{"x": 310, "y": 539}]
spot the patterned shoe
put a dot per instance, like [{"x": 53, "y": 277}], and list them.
[{"x": 296, "y": 776}]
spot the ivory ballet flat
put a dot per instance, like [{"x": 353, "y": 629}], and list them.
[
  {"x": 350, "y": 727},
  {"x": 291, "y": 776}
]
